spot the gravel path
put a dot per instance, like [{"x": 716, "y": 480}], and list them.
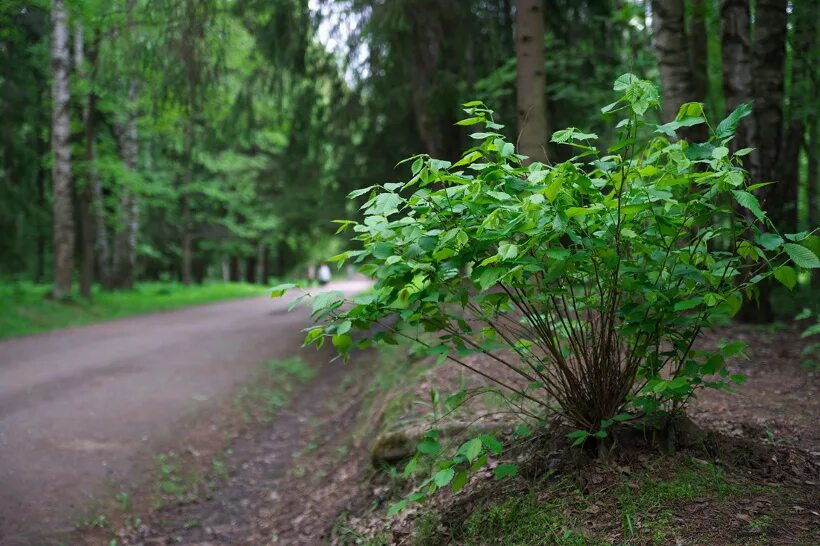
[{"x": 85, "y": 408}]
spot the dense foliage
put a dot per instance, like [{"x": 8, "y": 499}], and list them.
[
  {"x": 586, "y": 282},
  {"x": 216, "y": 138}
]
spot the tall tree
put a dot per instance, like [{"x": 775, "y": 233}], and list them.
[
  {"x": 696, "y": 36},
  {"x": 61, "y": 150},
  {"x": 736, "y": 55},
  {"x": 86, "y": 201},
  {"x": 769, "y": 70},
  {"x": 125, "y": 248},
  {"x": 674, "y": 58},
  {"x": 531, "y": 79}
]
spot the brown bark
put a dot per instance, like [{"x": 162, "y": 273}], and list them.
[
  {"x": 434, "y": 126},
  {"x": 736, "y": 56},
  {"x": 769, "y": 70},
  {"x": 531, "y": 80},
  {"x": 61, "y": 150},
  {"x": 804, "y": 101},
  {"x": 813, "y": 154},
  {"x": 40, "y": 268},
  {"x": 261, "y": 259},
  {"x": 233, "y": 268},
  {"x": 698, "y": 55},
  {"x": 250, "y": 269},
  {"x": 673, "y": 53}
]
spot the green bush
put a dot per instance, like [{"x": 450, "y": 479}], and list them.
[{"x": 588, "y": 281}]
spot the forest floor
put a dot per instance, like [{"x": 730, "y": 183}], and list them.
[
  {"x": 27, "y": 309},
  {"x": 305, "y": 475}
]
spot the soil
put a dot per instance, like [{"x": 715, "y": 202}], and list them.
[{"x": 307, "y": 479}]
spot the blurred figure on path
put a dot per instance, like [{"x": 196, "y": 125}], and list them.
[
  {"x": 324, "y": 274},
  {"x": 311, "y": 274}
]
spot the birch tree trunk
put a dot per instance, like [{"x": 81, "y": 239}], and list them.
[
  {"x": 531, "y": 80},
  {"x": 61, "y": 150}
]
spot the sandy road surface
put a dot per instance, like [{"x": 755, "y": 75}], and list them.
[{"x": 84, "y": 408}]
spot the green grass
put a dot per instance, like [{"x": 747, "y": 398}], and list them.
[
  {"x": 555, "y": 511},
  {"x": 25, "y": 309},
  {"x": 261, "y": 400}
]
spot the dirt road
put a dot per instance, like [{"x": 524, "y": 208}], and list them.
[{"x": 85, "y": 408}]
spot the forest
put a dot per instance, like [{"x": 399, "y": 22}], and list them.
[
  {"x": 186, "y": 140},
  {"x": 574, "y": 249}
]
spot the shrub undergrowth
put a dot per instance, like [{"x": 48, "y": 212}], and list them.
[{"x": 586, "y": 282}]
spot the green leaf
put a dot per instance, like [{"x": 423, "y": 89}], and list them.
[
  {"x": 786, "y": 276},
  {"x": 410, "y": 467},
  {"x": 801, "y": 256},
  {"x": 748, "y": 201},
  {"x": 342, "y": 342},
  {"x": 508, "y": 251},
  {"x": 522, "y": 430},
  {"x": 397, "y": 507},
  {"x": 280, "y": 289},
  {"x": 733, "y": 348},
  {"x": 471, "y": 449},
  {"x": 429, "y": 446},
  {"x": 297, "y": 301},
  {"x": 727, "y": 127},
  {"x": 505, "y": 471},
  {"x": 720, "y": 152},
  {"x": 769, "y": 241},
  {"x": 491, "y": 444},
  {"x": 444, "y": 477},
  {"x": 624, "y": 81},
  {"x": 470, "y": 121},
  {"x": 459, "y": 481},
  {"x": 688, "y": 304},
  {"x": 344, "y": 327}
]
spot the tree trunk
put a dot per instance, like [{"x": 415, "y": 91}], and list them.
[
  {"x": 61, "y": 170},
  {"x": 250, "y": 269},
  {"x": 769, "y": 70},
  {"x": 233, "y": 268},
  {"x": 735, "y": 28},
  {"x": 261, "y": 258},
  {"x": 40, "y": 273},
  {"x": 199, "y": 267},
  {"x": 87, "y": 193},
  {"x": 531, "y": 80},
  {"x": 187, "y": 237},
  {"x": 698, "y": 55},
  {"x": 125, "y": 249},
  {"x": 674, "y": 59},
  {"x": 803, "y": 104},
  {"x": 813, "y": 180}
]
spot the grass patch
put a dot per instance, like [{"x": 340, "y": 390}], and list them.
[
  {"x": 261, "y": 400},
  {"x": 27, "y": 310},
  {"x": 642, "y": 507}
]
